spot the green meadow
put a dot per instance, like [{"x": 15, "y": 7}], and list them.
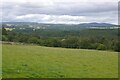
[
  {"x": 0, "y": 61},
  {"x": 31, "y": 61}
]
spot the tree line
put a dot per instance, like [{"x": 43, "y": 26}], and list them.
[{"x": 69, "y": 41}]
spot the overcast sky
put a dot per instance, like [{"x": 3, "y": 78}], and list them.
[{"x": 60, "y": 11}]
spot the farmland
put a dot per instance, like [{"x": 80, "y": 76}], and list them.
[{"x": 26, "y": 61}]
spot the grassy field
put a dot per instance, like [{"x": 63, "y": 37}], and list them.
[
  {"x": 23, "y": 61},
  {"x": 0, "y": 60}
]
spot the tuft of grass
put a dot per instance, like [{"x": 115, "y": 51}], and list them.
[{"x": 25, "y": 61}]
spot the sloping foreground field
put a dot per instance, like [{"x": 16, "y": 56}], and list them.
[
  {"x": 23, "y": 61},
  {"x": 0, "y": 60}
]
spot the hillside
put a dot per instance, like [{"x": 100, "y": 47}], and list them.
[
  {"x": 40, "y": 62},
  {"x": 95, "y": 24}
]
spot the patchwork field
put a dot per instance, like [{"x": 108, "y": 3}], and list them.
[{"x": 23, "y": 61}]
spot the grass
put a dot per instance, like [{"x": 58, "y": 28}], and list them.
[
  {"x": 0, "y": 60},
  {"x": 26, "y": 61}
]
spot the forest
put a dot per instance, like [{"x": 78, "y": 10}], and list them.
[{"x": 98, "y": 39}]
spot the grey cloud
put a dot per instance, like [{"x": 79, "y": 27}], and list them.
[
  {"x": 92, "y": 9},
  {"x": 61, "y": 8}
]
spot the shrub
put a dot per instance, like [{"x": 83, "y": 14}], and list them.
[{"x": 101, "y": 47}]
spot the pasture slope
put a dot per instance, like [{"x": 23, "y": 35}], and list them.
[
  {"x": 0, "y": 60},
  {"x": 26, "y": 61}
]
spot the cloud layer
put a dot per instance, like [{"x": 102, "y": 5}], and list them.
[{"x": 60, "y": 11}]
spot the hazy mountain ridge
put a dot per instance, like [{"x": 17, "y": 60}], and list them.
[
  {"x": 35, "y": 25},
  {"x": 92, "y": 24},
  {"x": 95, "y": 24}
]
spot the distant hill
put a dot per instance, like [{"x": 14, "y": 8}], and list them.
[
  {"x": 57, "y": 26},
  {"x": 95, "y": 24}
]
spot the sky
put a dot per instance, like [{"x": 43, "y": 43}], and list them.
[{"x": 59, "y": 11}]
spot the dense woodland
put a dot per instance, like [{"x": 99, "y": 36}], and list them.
[{"x": 105, "y": 39}]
